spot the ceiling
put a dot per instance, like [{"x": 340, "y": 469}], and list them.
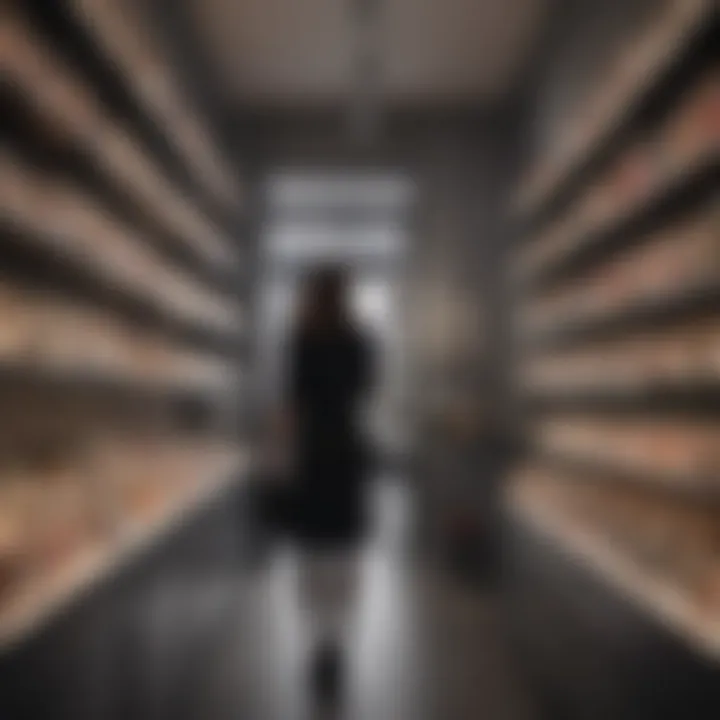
[{"x": 300, "y": 52}]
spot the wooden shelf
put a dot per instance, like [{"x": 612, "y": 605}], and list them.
[
  {"x": 106, "y": 381},
  {"x": 655, "y": 58},
  {"x": 119, "y": 88},
  {"x": 678, "y": 190},
  {"x": 35, "y": 142},
  {"x": 39, "y": 602},
  {"x": 695, "y": 301},
  {"x": 617, "y": 335},
  {"x": 119, "y": 360},
  {"x": 122, "y": 41},
  {"x": 76, "y": 119},
  {"x": 80, "y": 230},
  {"x": 704, "y": 491},
  {"x": 25, "y": 256},
  {"x": 671, "y": 605},
  {"x": 681, "y": 398}
]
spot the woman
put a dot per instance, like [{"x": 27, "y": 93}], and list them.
[{"x": 330, "y": 376}]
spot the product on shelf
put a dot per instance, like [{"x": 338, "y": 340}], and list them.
[
  {"x": 66, "y": 522},
  {"x": 676, "y": 259},
  {"x": 135, "y": 53},
  {"x": 75, "y": 117},
  {"x": 694, "y": 130},
  {"x": 643, "y": 61},
  {"x": 82, "y": 228},
  {"x": 652, "y": 164},
  {"x": 13, "y": 324},
  {"x": 666, "y": 448},
  {"x": 61, "y": 504},
  {"x": 19, "y": 500},
  {"x": 101, "y": 337},
  {"x": 678, "y": 357},
  {"x": 41, "y": 332},
  {"x": 674, "y": 542},
  {"x": 619, "y": 319}
]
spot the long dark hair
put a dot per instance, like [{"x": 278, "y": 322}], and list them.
[{"x": 324, "y": 302}]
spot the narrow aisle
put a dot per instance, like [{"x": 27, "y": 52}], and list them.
[{"x": 422, "y": 648}]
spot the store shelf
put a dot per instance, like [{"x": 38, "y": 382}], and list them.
[
  {"x": 82, "y": 232},
  {"x": 696, "y": 301},
  {"x": 670, "y": 605},
  {"x": 123, "y": 325},
  {"x": 33, "y": 139},
  {"x": 617, "y": 331},
  {"x": 156, "y": 116},
  {"x": 682, "y": 188},
  {"x": 129, "y": 47},
  {"x": 692, "y": 489},
  {"x": 36, "y": 605},
  {"x": 75, "y": 119},
  {"x": 26, "y": 256},
  {"x": 681, "y": 398},
  {"x": 107, "y": 382},
  {"x": 656, "y": 58}
]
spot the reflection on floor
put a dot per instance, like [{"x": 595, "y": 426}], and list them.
[{"x": 423, "y": 649}]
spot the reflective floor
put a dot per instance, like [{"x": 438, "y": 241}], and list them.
[{"x": 421, "y": 648}]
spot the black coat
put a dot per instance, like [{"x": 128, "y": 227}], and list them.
[{"x": 330, "y": 375}]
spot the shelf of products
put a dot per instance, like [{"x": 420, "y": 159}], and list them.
[
  {"x": 119, "y": 362},
  {"x": 694, "y": 302},
  {"x": 36, "y": 263},
  {"x": 42, "y": 335},
  {"x": 78, "y": 229},
  {"x": 135, "y": 53},
  {"x": 670, "y": 263},
  {"x": 685, "y": 355},
  {"x": 660, "y": 554},
  {"x": 639, "y": 185},
  {"x": 681, "y": 452},
  {"x": 697, "y": 489},
  {"x": 33, "y": 139},
  {"x": 618, "y": 333},
  {"x": 80, "y": 121},
  {"x": 645, "y": 65},
  {"x": 59, "y": 536}
]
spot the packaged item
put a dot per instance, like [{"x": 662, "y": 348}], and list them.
[{"x": 694, "y": 130}]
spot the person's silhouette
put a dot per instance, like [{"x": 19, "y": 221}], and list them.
[{"x": 330, "y": 373}]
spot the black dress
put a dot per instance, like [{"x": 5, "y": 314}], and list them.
[{"x": 329, "y": 375}]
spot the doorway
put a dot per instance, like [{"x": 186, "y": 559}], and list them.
[{"x": 359, "y": 219}]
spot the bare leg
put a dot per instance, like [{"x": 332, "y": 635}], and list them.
[{"x": 328, "y": 588}]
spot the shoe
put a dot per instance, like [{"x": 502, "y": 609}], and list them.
[{"x": 327, "y": 674}]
